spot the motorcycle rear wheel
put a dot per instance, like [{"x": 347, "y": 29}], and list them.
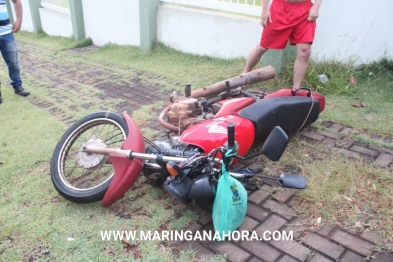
[{"x": 81, "y": 177}]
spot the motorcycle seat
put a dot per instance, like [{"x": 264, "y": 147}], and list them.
[{"x": 290, "y": 113}]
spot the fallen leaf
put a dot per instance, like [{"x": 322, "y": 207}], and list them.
[
  {"x": 319, "y": 219},
  {"x": 368, "y": 182},
  {"x": 347, "y": 198},
  {"x": 374, "y": 187},
  {"x": 356, "y": 104},
  {"x": 363, "y": 104},
  {"x": 353, "y": 81}
]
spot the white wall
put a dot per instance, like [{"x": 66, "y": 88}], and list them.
[
  {"x": 27, "y": 23},
  {"x": 350, "y": 29},
  {"x": 354, "y": 29},
  {"x": 114, "y": 22},
  {"x": 56, "y": 24},
  {"x": 206, "y": 33}
]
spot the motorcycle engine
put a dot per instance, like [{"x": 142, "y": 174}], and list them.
[{"x": 184, "y": 113}]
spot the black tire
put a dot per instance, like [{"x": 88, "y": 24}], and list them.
[{"x": 81, "y": 177}]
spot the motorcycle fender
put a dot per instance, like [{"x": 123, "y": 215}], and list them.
[
  {"x": 288, "y": 92},
  {"x": 126, "y": 171}
]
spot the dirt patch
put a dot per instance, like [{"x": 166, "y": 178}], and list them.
[{"x": 82, "y": 50}]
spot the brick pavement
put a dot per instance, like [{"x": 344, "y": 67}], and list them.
[{"x": 267, "y": 210}]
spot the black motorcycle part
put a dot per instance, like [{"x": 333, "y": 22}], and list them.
[
  {"x": 202, "y": 188},
  {"x": 81, "y": 177},
  {"x": 292, "y": 181},
  {"x": 290, "y": 113},
  {"x": 179, "y": 187},
  {"x": 275, "y": 144}
]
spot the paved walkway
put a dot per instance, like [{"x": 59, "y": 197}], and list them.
[{"x": 267, "y": 210}]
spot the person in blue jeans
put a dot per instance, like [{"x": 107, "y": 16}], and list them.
[{"x": 8, "y": 45}]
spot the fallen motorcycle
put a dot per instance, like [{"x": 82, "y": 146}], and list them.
[{"x": 101, "y": 156}]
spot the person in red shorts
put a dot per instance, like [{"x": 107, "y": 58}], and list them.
[{"x": 293, "y": 20}]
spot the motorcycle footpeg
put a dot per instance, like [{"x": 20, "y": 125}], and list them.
[{"x": 292, "y": 181}]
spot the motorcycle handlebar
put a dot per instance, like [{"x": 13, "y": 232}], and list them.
[{"x": 231, "y": 135}]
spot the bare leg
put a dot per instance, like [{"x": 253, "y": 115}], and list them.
[
  {"x": 254, "y": 57},
  {"x": 301, "y": 63}
]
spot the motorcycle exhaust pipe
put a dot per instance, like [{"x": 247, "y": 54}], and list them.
[{"x": 261, "y": 74}]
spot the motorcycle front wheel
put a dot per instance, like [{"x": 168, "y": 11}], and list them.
[{"x": 82, "y": 177}]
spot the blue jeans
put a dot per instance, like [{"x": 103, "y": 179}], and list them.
[{"x": 10, "y": 54}]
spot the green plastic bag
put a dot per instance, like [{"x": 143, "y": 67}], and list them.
[{"x": 230, "y": 205}]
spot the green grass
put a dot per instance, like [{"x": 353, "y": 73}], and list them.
[{"x": 37, "y": 222}]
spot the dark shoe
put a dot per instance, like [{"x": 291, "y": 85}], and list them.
[{"x": 19, "y": 90}]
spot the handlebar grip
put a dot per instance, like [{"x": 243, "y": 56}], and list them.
[{"x": 231, "y": 135}]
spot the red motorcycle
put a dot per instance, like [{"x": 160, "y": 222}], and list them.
[{"x": 101, "y": 156}]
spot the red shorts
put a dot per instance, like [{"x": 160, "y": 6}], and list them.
[{"x": 289, "y": 22}]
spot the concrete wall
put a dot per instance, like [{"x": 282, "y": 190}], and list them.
[
  {"x": 206, "y": 33},
  {"x": 56, "y": 24},
  {"x": 351, "y": 29},
  {"x": 114, "y": 22},
  {"x": 27, "y": 23}
]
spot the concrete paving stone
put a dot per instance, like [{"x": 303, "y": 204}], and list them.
[
  {"x": 325, "y": 230},
  {"x": 326, "y": 123},
  {"x": 330, "y": 134},
  {"x": 287, "y": 258},
  {"x": 312, "y": 135},
  {"x": 345, "y": 143},
  {"x": 270, "y": 225},
  {"x": 248, "y": 224},
  {"x": 257, "y": 212},
  {"x": 260, "y": 195},
  {"x": 363, "y": 150},
  {"x": 297, "y": 227},
  {"x": 351, "y": 230},
  {"x": 347, "y": 153},
  {"x": 353, "y": 243},
  {"x": 384, "y": 160},
  {"x": 336, "y": 127},
  {"x": 202, "y": 252},
  {"x": 329, "y": 141},
  {"x": 233, "y": 253},
  {"x": 349, "y": 256},
  {"x": 284, "y": 194},
  {"x": 371, "y": 237},
  {"x": 319, "y": 258},
  {"x": 261, "y": 250},
  {"x": 209, "y": 230},
  {"x": 204, "y": 216},
  {"x": 383, "y": 257},
  {"x": 280, "y": 209},
  {"x": 346, "y": 131},
  {"x": 255, "y": 259},
  {"x": 193, "y": 228},
  {"x": 323, "y": 245},
  {"x": 292, "y": 248},
  {"x": 381, "y": 149}
]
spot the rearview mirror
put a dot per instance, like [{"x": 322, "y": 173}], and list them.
[{"x": 275, "y": 144}]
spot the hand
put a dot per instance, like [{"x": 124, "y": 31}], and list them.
[
  {"x": 17, "y": 26},
  {"x": 313, "y": 13},
  {"x": 265, "y": 16}
]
